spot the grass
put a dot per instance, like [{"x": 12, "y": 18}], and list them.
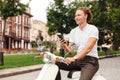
[
  {"x": 20, "y": 60},
  {"x": 12, "y": 61},
  {"x": 102, "y": 53}
]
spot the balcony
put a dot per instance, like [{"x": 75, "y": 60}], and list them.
[
  {"x": 18, "y": 38},
  {"x": 27, "y": 25},
  {"x": 8, "y": 33},
  {"x": 26, "y": 39},
  {"x": 13, "y": 35}
]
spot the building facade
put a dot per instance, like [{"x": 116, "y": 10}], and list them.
[
  {"x": 15, "y": 32},
  {"x": 36, "y": 27}
]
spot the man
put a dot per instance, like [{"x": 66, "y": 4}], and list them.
[{"x": 85, "y": 37}]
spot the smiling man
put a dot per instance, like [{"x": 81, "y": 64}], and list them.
[{"x": 85, "y": 37}]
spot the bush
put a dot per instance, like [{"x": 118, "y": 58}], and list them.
[
  {"x": 33, "y": 43},
  {"x": 49, "y": 44}
]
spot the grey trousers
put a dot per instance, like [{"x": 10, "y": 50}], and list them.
[{"x": 87, "y": 65}]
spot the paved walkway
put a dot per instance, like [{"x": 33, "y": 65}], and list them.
[
  {"x": 20, "y": 70},
  {"x": 108, "y": 67}
]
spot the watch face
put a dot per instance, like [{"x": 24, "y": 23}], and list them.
[{"x": 75, "y": 58}]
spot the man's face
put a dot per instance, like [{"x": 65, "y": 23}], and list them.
[{"x": 80, "y": 17}]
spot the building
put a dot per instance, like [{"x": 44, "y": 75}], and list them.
[
  {"x": 17, "y": 31},
  {"x": 36, "y": 27}
]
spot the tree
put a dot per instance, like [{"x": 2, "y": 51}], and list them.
[
  {"x": 59, "y": 18},
  {"x": 67, "y": 16},
  {"x": 99, "y": 10},
  {"x": 9, "y": 8},
  {"x": 113, "y": 22},
  {"x": 106, "y": 16}
]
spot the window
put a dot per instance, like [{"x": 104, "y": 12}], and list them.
[{"x": 0, "y": 28}]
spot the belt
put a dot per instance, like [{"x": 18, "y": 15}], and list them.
[{"x": 90, "y": 57}]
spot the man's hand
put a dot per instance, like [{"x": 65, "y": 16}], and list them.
[
  {"x": 66, "y": 47},
  {"x": 62, "y": 41},
  {"x": 69, "y": 60}
]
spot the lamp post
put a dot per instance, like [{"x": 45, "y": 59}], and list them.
[{"x": 1, "y": 41}]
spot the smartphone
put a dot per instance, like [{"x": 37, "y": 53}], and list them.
[{"x": 60, "y": 36}]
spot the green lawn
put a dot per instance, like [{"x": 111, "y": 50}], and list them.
[
  {"x": 11, "y": 61},
  {"x": 102, "y": 53},
  {"x": 19, "y": 60}
]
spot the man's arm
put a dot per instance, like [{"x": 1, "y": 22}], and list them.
[
  {"x": 90, "y": 44},
  {"x": 67, "y": 48}
]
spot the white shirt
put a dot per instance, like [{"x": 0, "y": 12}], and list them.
[{"x": 80, "y": 38}]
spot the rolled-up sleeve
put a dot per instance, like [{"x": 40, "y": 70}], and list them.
[{"x": 94, "y": 33}]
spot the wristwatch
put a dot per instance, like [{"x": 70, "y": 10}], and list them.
[{"x": 75, "y": 57}]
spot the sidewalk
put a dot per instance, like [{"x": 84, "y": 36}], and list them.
[{"x": 21, "y": 70}]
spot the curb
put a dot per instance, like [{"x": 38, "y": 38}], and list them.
[{"x": 109, "y": 56}]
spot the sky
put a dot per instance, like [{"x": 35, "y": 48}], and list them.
[{"x": 38, "y": 9}]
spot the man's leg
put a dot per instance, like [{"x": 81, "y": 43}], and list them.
[
  {"x": 88, "y": 71},
  {"x": 58, "y": 77},
  {"x": 64, "y": 66}
]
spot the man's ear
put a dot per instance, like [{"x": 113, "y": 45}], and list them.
[{"x": 86, "y": 16}]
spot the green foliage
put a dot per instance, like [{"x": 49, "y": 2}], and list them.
[
  {"x": 34, "y": 44},
  {"x": 59, "y": 18},
  {"x": 106, "y": 16},
  {"x": 49, "y": 44},
  {"x": 101, "y": 37},
  {"x": 10, "y": 8},
  {"x": 101, "y": 53},
  {"x": 113, "y": 20}
]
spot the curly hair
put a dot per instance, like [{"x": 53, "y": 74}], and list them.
[{"x": 87, "y": 11}]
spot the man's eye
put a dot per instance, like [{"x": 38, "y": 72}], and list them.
[{"x": 78, "y": 15}]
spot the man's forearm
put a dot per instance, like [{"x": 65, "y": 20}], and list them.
[
  {"x": 68, "y": 48},
  {"x": 65, "y": 47}
]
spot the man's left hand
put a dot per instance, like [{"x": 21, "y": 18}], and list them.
[{"x": 69, "y": 60}]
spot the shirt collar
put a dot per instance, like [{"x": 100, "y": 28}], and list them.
[{"x": 84, "y": 28}]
